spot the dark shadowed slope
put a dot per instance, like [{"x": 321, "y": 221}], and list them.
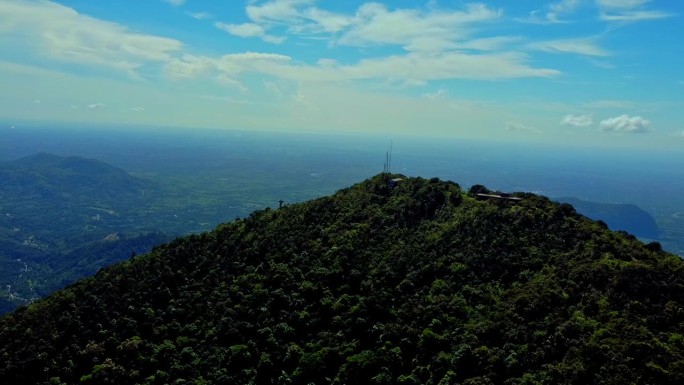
[{"x": 416, "y": 284}]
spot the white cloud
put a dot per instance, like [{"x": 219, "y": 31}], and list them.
[
  {"x": 49, "y": 30},
  {"x": 200, "y": 15},
  {"x": 249, "y": 30},
  {"x": 564, "y": 6},
  {"x": 440, "y": 94},
  {"x": 621, "y": 4},
  {"x": 138, "y": 109},
  {"x": 273, "y": 88},
  {"x": 227, "y": 66},
  {"x": 242, "y": 30},
  {"x": 324, "y": 21},
  {"x": 432, "y": 31},
  {"x": 273, "y": 39},
  {"x": 586, "y": 47},
  {"x": 96, "y": 106},
  {"x": 601, "y": 64},
  {"x": 489, "y": 43},
  {"x": 413, "y": 67},
  {"x": 561, "y": 8},
  {"x": 519, "y": 127},
  {"x": 628, "y": 11},
  {"x": 552, "y": 13},
  {"x": 375, "y": 24},
  {"x": 175, "y": 3},
  {"x": 277, "y": 11},
  {"x": 449, "y": 65},
  {"x": 230, "y": 82},
  {"x": 327, "y": 63},
  {"x": 626, "y": 124},
  {"x": 577, "y": 120},
  {"x": 633, "y": 16}
]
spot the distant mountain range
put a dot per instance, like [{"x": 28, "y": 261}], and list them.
[
  {"x": 625, "y": 217},
  {"x": 411, "y": 282}
]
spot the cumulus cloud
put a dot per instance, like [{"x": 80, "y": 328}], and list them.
[
  {"x": 277, "y": 11},
  {"x": 138, "y": 109},
  {"x": 626, "y": 124},
  {"x": 430, "y": 31},
  {"x": 96, "y": 106},
  {"x": 560, "y": 8},
  {"x": 249, "y": 30},
  {"x": 242, "y": 30},
  {"x": 374, "y": 23},
  {"x": 58, "y": 32},
  {"x": 519, "y": 127},
  {"x": 438, "y": 44},
  {"x": 577, "y": 120}
]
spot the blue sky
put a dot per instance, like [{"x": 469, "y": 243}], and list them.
[{"x": 576, "y": 71}]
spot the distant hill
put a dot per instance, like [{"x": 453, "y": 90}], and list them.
[
  {"x": 58, "y": 210},
  {"x": 417, "y": 282},
  {"x": 67, "y": 179},
  {"x": 617, "y": 216}
]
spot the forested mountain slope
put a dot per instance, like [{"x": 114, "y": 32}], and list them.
[
  {"x": 418, "y": 283},
  {"x": 62, "y": 218}
]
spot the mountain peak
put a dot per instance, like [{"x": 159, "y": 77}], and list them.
[{"x": 413, "y": 281}]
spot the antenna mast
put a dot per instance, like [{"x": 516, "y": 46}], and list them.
[
  {"x": 387, "y": 167},
  {"x": 389, "y": 160}
]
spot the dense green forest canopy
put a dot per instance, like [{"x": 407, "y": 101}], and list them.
[{"x": 414, "y": 282}]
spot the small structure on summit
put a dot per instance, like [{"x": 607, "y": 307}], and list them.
[
  {"x": 394, "y": 181},
  {"x": 483, "y": 196}
]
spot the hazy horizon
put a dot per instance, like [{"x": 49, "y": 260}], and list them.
[{"x": 303, "y": 166}]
